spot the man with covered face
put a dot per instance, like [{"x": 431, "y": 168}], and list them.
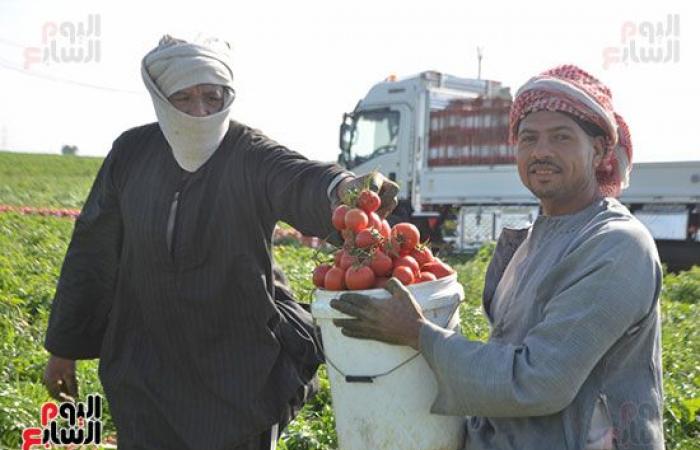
[
  {"x": 574, "y": 358},
  {"x": 168, "y": 278}
]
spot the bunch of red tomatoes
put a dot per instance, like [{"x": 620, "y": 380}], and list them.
[{"x": 373, "y": 251}]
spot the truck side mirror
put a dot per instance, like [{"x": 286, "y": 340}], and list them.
[
  {"x": 346, "y": 131},
  {"x": 345, "y": 137}
]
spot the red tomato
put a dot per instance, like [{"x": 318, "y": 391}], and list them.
[
  {"x": 423, "y": 255},
  {"x": 426, "y": 276},
  {"x": 338, "y": 218},
  {"x": 367, "y": 238},
  {"x": 368, "y": 201},
  {"x": 335, "y": 279},
  {"x": 403, "y": 274},
  {"x": 359, "y": 278},
  {"x": 375, "y": 221},
  {"x": 405, "y": 236},
  {"x": 439, "y": 268},
  {"x": 386, "y": 229},
  {"x": 409, "y": 262},
  {"x": 337, "y": 257},
  {"x": 381, "y": 263},
  {"x": 347, "y": 260},
  {"x": 320, "y": 274},
  {"x": 380, "y": 282},
  {"x": 356, "y": 220}
]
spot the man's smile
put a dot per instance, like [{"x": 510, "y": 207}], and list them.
[{"x": 545, "y": 169}]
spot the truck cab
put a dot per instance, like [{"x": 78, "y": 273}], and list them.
[{"x": 391, "y": 128}]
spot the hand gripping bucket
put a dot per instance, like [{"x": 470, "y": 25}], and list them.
[{"x": 382, "y": 393}]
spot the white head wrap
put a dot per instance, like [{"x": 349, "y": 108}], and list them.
[{"x": 174, "y": 65}]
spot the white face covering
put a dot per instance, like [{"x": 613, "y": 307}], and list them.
[{"x": 175, "y": 65}]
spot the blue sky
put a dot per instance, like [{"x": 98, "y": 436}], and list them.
[{"x": 299, "y": 65}]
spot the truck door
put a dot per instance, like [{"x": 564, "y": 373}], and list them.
[{"x": 378, "y": 139}]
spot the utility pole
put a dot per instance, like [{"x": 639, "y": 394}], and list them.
[{"x": 479, "y": 56}]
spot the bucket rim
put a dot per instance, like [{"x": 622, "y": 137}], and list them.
[
  {"x": 451, "y": 292},
  {"x": 378, "y": 292}
]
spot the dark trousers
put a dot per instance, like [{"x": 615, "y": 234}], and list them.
[{"x": 131, "y": 424}]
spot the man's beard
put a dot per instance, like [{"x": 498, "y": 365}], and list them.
[
  {"x": 559, "y": 189},
  {"x": 547, "y": 192}
]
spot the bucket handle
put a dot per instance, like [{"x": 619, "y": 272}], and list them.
[{"x": 370, "y": 378}]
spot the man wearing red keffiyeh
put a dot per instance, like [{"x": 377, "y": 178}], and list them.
[
  {"x": 573, "y": 92},
  {"x": 574, "y": 356}
]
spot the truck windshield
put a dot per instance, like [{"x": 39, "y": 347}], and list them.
[{"x": 374, "y": 133}]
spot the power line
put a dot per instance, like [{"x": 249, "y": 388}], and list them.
[
  {"x": 11, "y": 43},
  {"x": 8, "y": 65}
]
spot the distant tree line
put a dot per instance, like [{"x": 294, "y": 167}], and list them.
[{"x": 69, "y": 150}]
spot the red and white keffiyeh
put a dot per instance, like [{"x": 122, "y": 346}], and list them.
[{"x": 572, "y": 90}]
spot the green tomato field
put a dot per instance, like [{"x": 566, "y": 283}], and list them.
[{"x": 32, "y": 248}]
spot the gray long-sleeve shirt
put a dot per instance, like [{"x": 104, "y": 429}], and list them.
[{"x": 573, "y": 304}]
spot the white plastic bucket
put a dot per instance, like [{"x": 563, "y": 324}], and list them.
[{"x": 382, "y": 393}]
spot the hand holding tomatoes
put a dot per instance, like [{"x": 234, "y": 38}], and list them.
[{"x": 382, "y": 196}]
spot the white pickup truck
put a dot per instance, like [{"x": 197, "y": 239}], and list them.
[{"x": 444, "y": 140}]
